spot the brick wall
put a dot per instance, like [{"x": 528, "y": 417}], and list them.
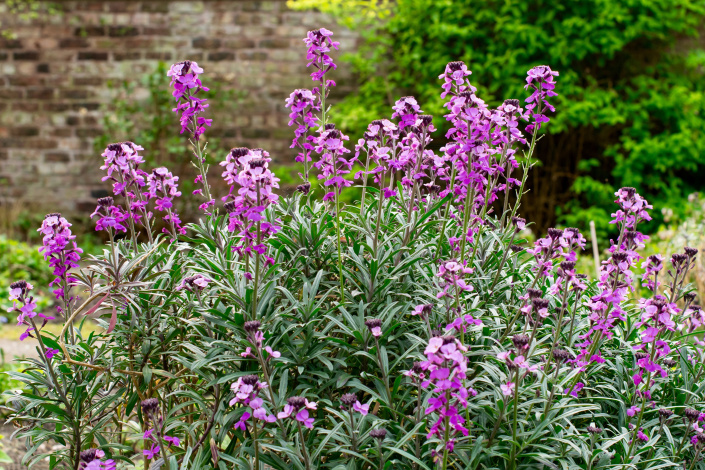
[{"x": 54, "y": 77}]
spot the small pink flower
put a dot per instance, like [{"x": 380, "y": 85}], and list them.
[{"x": 507, "y": 389}]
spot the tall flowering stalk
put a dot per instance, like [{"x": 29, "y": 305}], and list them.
[
  {"x": 615, "y": 275},
  {"x": 248, "y": 171},
  {"x": 164, "y": 188},
  {"x": 446, "y": 368},
  {"x": 319, "y": 44},
  {"x": 122, "y": 165},
  {"x": 302, "y": 103},
  {"x": 246, "y": 391},
  {"x": 186, "y": 85},
  {"x": 59, "y": 247},
  {"x": 333, "y": 167}
]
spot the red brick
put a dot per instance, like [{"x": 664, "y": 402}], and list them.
[
  {"x": 26, "y": 55},
  {"x": 73, "y": 43},
  {"x": 92, "y": 55},
  {"x": 206, "y": 43},
  {"x": 57, "y": 157},
  {"x": 89, "y": 31},
  {"x": 40, "y": 93},
  {"x": 123, "y": 31}
]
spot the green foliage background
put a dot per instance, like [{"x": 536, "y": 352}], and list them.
[{"x": 631, "y": 110}]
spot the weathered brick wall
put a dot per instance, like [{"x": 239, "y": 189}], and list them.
[{"x": 54, "y": 76}]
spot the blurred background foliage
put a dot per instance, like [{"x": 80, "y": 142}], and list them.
[{"x": 631, "y": 110}]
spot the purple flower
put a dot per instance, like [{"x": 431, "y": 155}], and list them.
[
  {"x": 302, "y": 103},
  {"x": 299, "y": 407},
  {"x": 164, "y": 188},
  {"x": 194, "y": 283},
  {"x": 186, "y": 84},
  {"x": 152, "y": 451},
  {"x": 332, "y": 165},
  {"x": 541, "y": 82},
  {"x": 92, "y": 459},
  {"x": 507, "y": 389},
  {"x": 452, "y": 274},
  {"x": 246, "y": 391},
  {"x": 62, "y": 252},
  {"x": 122, "y": 161},
  {"x": 446, "y": 366},
  {"x": 248, "y": 170},
  {"x": 111, "y": 217},
  {"x": 319, "y": 44}
]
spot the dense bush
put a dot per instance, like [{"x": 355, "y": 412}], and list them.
[
  {"x": 411, "y": 330},
  {"x": 632, "y": 107}
]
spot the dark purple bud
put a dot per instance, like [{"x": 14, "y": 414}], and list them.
[
  {"x": 88, "y": 455},
  {"x": 594, "y": 430},
  {"x": 19, "y": 285},
  {"x": 373, "y": 323},
  {"x": 665, "y": 413},
  {"x": 669, "y": 363},
  {"x": 252, "y": 326},
  {"x": 229, "y": 207},
  {"x": 691, "y": 414},
  {"x": 329, "y": 127},
  {"x": 534, "y": 293},
  {"x": 377, "y": 122},
  {"x": 250, "y": 379},
  {"x": 53, "y": 214},
  {"x": 304, "y": 188},
  {"x": 512, "y": 102},
  {"x": 296, "y": 402},
  {"x": 105, "y": 201},
  {"x": 690, "y": 252},
  {"x": 455, "y": 66},
  {"x": 416, "y": 368},
  {"x": 378, "y": 434},
  {"x": 335, "y": 134},
  {"x": 539, "y": 304},
  {"x": 567, "y": 265},
  {"x": 521, "y": 342},
  {"x": 426, "y": 119},
  {"x": 678, "y": 259},
  {"x": 630, "y": 192},
  {"x": 257, "y": 163},
  {"x": 640, "y": 355},
  {"x": 150, "y": 405},
  {"x": 435, "y": 333},
  {"x": 348, "y": 399},
  {"x": 516, "y": 248},
  {"x": 554, "y": 233},
  {"x": 185, "y": 67},
  {"x": 239, "y": 152},
  {"x": 465, "y": 94},
  {"x": 561, "y": 355},
  {"x": 619, "y": 257},
  {"x": 689, "y": 297},
  {"x": 448, "y": 339}
]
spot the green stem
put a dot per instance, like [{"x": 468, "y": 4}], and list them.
[
  {"x": 340, "y": 254},
  {"x": 304, "y": 452},
  {"x": 514, "y": 422}
]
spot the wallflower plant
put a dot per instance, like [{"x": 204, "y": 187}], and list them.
[{"x": 412, "y": 329}]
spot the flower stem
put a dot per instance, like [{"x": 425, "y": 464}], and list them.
[{"x": 304, "y": 452}]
